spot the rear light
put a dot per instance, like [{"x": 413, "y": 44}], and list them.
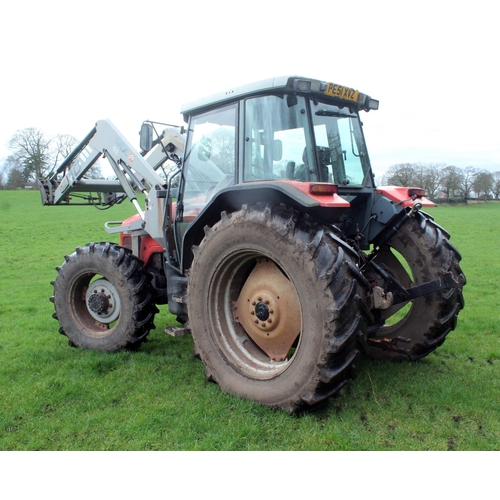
[
  {"x": 323, "y": 188},
  {"x": 416, "y": 192}
]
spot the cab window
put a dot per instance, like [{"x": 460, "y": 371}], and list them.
[{"x": 277, "y": 144}]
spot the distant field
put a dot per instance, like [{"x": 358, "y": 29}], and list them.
[{"x": 58, "y": 398}]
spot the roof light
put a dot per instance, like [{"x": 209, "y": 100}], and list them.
[
  {"x": 323, "y": 188},
  {"x": 303, "y": 85}
]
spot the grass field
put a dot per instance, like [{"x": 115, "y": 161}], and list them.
[{"x": 54, "y": 397}]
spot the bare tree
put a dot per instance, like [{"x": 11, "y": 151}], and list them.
[
  {"x": 433, "y": 174},
  {"x": 483, "y": 184},
  {"x": 496, "y": 185},
  {"x": 468, "y": 175},
  {"x": 401, "y": 174},
  {"x": 32, "y": 150},
  {"x": 62, "y": 145},
  {"x": 451, "y": 181}
]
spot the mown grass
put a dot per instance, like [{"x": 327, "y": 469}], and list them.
[{"x": 54, "y": 397}]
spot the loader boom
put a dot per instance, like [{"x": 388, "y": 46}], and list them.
[
  {"x": 133, "y": 173},
  {"x": 106, "y": 140}
]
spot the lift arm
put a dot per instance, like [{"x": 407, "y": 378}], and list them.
[
  {"x": 131, "y": 170},
  {"x": 133, "y": 173}
]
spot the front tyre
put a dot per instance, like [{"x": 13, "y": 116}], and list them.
[
  {"x": 275, "y": 307},
  {"x": 102, "y": 298}
]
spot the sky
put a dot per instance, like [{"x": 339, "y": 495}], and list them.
[{"x": 433, "y": 65}]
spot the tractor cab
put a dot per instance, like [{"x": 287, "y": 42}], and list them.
[{"x": 304, "y": 136}]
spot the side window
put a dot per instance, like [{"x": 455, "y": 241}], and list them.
[
  {"x": 277, "y": 140},
  {"x": 210, "y": 158}
]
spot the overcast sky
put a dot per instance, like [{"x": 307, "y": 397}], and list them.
[{"x": 433, "y": 66}]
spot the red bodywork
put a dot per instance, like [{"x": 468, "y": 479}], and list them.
[
  {"x": 328, "y": 199},
  {"x": 147, "y": 245},
  {"x": 403, "y": 195}
]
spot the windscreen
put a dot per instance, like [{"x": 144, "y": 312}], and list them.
[
  {"x": 340, "y": 145},
  {"x": 291, "y": 138}
]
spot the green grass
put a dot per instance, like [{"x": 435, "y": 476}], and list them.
[{"x": 58, "y": 398}]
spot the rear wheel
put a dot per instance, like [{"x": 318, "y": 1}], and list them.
[
  {"x": 420, "y": 252},
  {"x": 102, "y": 298},
  {"x": 275, "y": 306}
]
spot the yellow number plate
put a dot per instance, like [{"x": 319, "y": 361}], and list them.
[{"x": 345, "y": 93}]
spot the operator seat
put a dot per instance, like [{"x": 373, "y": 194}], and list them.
[{"x": 304, "y": 173}]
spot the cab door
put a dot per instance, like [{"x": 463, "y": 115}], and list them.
[{"x": 209, "y": 163}]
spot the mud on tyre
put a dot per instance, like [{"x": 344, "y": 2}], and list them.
[
  {"x": 102, "y": 298},
  {"x": 275, "y": 307}
]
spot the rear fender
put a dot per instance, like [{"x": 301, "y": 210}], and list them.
[
  {"x": 295, "y": 194},
  {"x": 404, "y": 196},
  {"x": 389, "y": 202}
]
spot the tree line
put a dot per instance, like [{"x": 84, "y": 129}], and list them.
[
  {"x": 445, "y": 182},
  {"x": 34, "y": 155}
]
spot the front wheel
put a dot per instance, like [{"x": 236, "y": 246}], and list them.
[
  {"x": 275, "y": 307},
  {"x": 102, "y": 298}
]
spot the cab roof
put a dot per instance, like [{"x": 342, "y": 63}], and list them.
[{"x": 285, "y": 84}]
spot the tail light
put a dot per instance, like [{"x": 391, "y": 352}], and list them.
[{"x": 323, "y": 188}]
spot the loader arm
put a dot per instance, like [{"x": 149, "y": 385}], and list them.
[
  {"x": 133, "y": 173},
  {"x": 106, "y": 140}
]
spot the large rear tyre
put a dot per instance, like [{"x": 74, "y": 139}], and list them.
[
  {"x": 102, "y": 298},
  {"x": 275, "y": 307},
  {"x": 420, "y": 252}
]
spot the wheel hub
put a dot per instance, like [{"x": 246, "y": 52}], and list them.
[
  {"x": 98, "y": 303},
  {"x": 103, "y": 301},
  {"x": 268, "y": 309},
  {"x": 262, "y": 311}
]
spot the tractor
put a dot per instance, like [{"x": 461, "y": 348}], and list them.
[{"x": 260, "y": 225}]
